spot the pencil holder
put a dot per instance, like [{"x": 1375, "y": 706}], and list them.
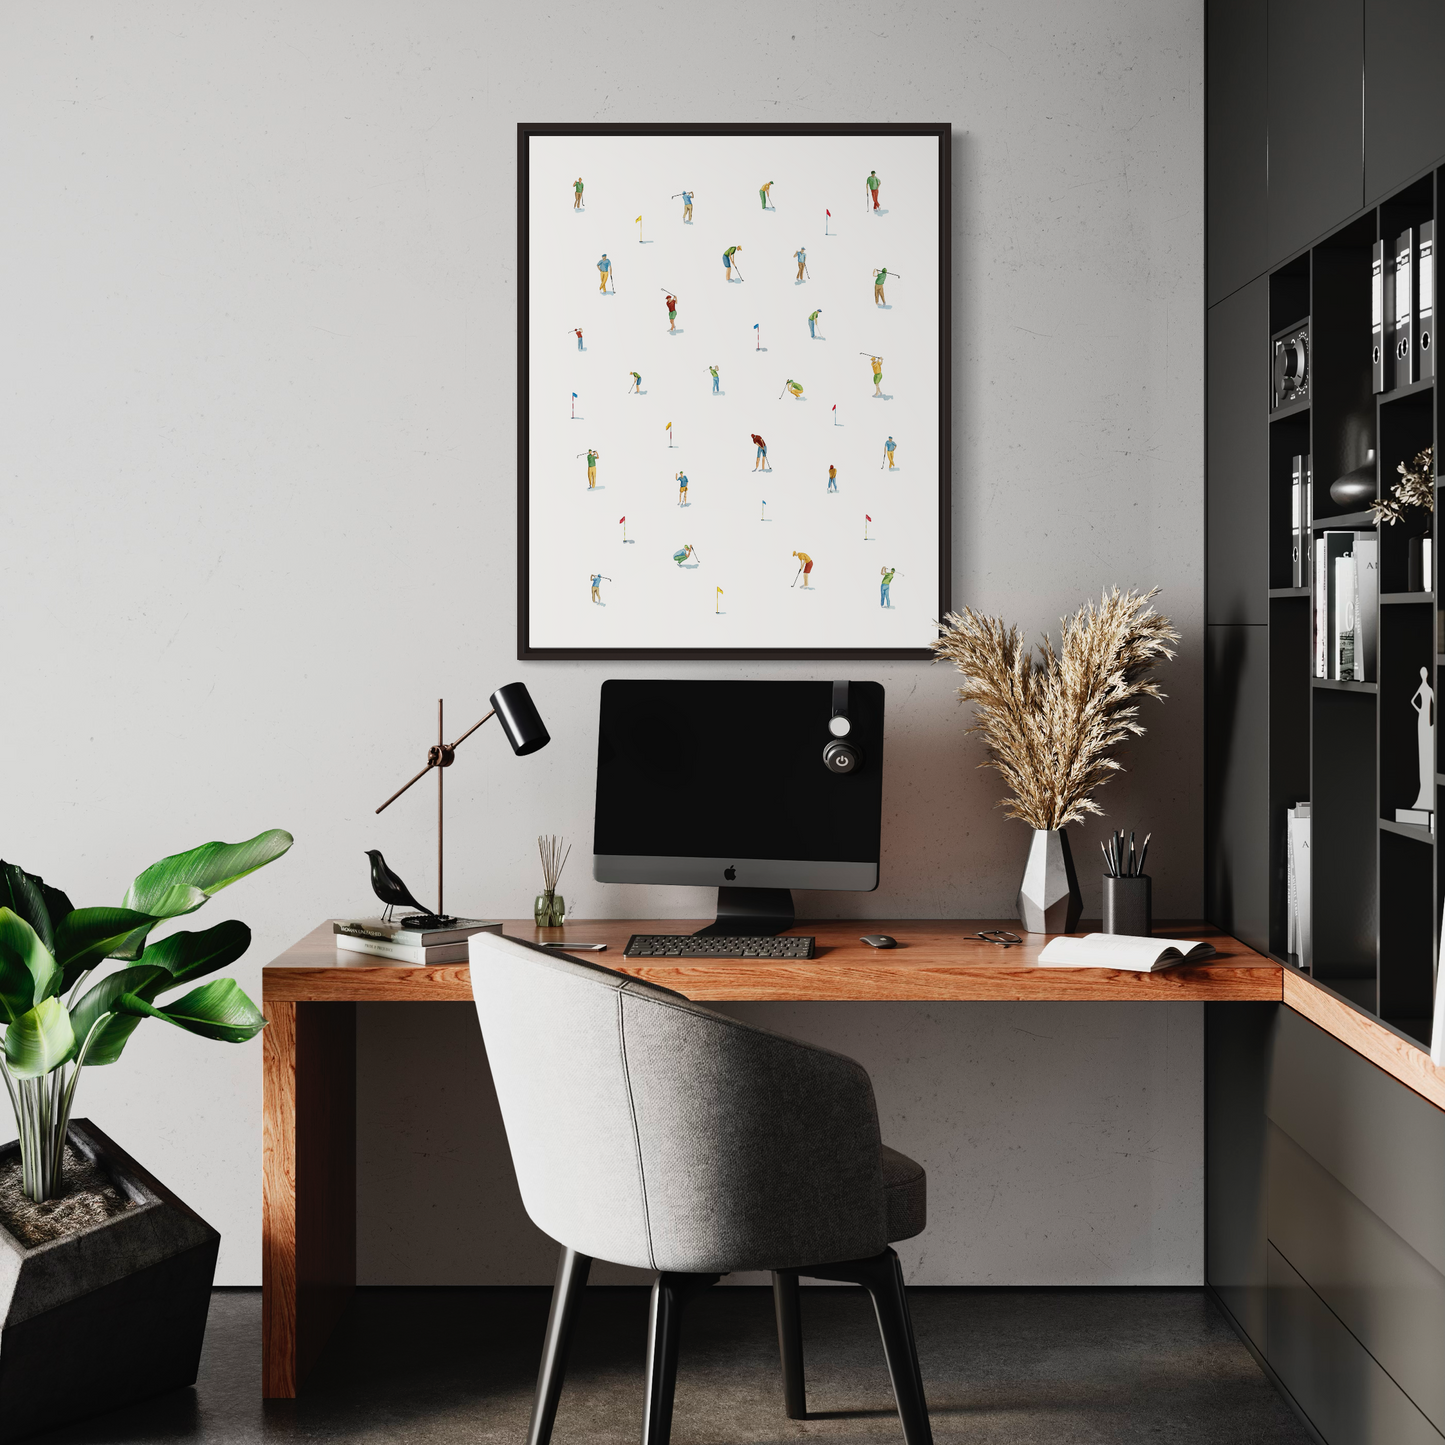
[{"x": 1127, "y": 905}]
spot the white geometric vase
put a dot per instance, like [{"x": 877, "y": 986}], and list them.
[{"x": 1049, "y": 896}]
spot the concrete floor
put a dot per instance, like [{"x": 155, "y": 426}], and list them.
[{"x": 1002, "y": 1367}]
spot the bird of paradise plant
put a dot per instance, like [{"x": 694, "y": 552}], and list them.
[{"x": 49, "y": 949}]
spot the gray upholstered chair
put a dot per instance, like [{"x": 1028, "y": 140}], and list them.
[{"x": 653, "y": 1132}]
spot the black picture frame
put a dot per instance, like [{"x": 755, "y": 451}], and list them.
[{"x": 943, "y": 132}]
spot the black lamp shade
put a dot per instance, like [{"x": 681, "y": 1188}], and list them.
[{"x": 520, "y": 719}]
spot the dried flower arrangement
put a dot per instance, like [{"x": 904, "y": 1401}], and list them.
[
  {"x": 1051, "y": 724},
  {"x": 1416, "y": 490}
]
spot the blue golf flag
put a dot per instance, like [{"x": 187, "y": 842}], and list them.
[{"x": 574, "y": 393}]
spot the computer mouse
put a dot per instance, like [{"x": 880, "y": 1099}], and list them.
[{"x": 878, "y": 940}]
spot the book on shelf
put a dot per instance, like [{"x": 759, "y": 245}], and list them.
[
  {"x": 1122, "y": 950},
  {"x": 1425, "y": 300},
  {"x": 455, "y": 952},
  {"x": 1299, "y": 506},
  {"x": 1405, "y": 307},
  {"x": 1346, "y": 605},
  {"x": 457, "y": 930},
  {"x": 1379, "y": 356},
  {"x": 1297, "y": 886}
]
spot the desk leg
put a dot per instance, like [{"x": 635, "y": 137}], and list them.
[{"x": 308, "y": 1205}]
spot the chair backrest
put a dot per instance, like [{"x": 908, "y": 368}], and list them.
[{"x": 650, "y": 1131}]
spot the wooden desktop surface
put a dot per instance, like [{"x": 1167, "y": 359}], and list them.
[{"x": 936, "y": 959}]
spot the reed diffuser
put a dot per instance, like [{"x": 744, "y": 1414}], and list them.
[{"x": 549, "y": 909}]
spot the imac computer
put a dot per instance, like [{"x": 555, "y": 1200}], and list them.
[{"x": 754, "y": 788}]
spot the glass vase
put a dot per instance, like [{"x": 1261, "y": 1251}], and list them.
[{"x": 549, "y": 909}]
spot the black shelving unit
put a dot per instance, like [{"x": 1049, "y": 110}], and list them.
[{"x": 1351, "y": 748}]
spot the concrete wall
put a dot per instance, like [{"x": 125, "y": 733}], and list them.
[{"x": 257, "y": 392}]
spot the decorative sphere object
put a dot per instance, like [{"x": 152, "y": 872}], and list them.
[{"x": 1355, "y": 489}]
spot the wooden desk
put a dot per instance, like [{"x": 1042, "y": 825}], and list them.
[{"x": 309, "y": 995}]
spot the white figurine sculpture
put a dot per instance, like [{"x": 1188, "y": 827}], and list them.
[{"x": 1424, "y": 704}]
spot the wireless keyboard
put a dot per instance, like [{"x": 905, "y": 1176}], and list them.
[{"x": 687, "y": 945}]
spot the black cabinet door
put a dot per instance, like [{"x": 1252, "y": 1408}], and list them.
[
  {"x": 1404, "y": 91},
  {"x": 1236, "y": 142},
  {"x": 1316, "y": 102},
  {"x": 1237, "y": 465},
  {"x": 1236, "y": 811}
]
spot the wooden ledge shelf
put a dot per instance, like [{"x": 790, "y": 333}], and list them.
[{"x": 1395, "y": 598}]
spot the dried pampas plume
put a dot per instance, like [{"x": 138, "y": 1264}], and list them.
[{"x": 1051, "y": 724}]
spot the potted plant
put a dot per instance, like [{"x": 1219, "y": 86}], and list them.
[
  {"x": 99, "y": 1261},
  {"x": 1051, "y": 724}
]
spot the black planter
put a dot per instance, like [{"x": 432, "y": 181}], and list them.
[
  {"x": 112, "y": 1313},
  {"x": 1128, "y": 907}
]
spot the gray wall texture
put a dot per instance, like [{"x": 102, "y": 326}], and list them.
[{"x": 258, "y": 401}]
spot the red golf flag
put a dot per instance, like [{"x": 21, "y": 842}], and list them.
[
  {"x": 827, "y": 212},
  {"x": 866, "y": 517},
  {"x": 621, "y": 520}
]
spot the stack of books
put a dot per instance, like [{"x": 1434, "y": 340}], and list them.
[
  {"x": 1298, "y": 936},
  {"x": 1346, "y": 605},
  {"x": 410, "y": 945}
]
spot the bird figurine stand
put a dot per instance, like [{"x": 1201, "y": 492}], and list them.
[{"x": 526, "y": 732}]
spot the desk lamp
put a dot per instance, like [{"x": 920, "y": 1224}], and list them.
[{"x": 525, "y": 731}]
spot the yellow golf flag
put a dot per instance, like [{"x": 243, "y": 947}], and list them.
[
  {"x": 668, "y": 427},
  {"x": 638, "y": 221},
  {"x": 719, "y": 589}
]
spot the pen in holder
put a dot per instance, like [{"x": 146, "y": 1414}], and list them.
[{"x": 1128, "y": 907}]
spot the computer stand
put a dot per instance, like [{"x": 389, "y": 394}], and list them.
[{"x": 750, "y": 913}]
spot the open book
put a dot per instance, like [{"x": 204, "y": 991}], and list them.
[{"x": 1121, "y": 950}]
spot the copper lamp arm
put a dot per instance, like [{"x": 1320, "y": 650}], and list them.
[
  {"x": 491, "y": 713},
  {"x": 405, "y": 786}
]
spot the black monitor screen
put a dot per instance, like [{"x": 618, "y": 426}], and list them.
[{"x": 718, "y": 770}]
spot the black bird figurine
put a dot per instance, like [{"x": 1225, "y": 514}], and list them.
[{"x": 392, "y": 890}]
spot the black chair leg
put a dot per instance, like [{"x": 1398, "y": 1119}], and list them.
[
  {"x": 669, "y": 1298},
  {"x": 572, "y": 1271},
  {"x": 882, "y": 1277},
  {"x": 790, "y": 1342}
]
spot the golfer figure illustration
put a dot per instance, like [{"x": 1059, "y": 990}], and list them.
[
  {"x": 577, "y": 194},
  {"x": 597, "y": 580},
  {"x": 592, "y": 456},
  {"x": 889, "y": 447},
  {"x": 801, "y": 257},
  {"x": 877, "y": 364},
  {"x": 760, "y": 463},
  {"x": 729, "y": 261},
  {"x": 872, "y": 184},
  {"x": 886, "y": 573},
  {"x": 880, "y": 279},
  {"x": 681, "y": 480},
  {"x": 672, "y": 313},
  {"x": 687, "y": 550},
  {"x": 636, "y": 383},
  {"x": 713, "y": 370},
  {"x": 813, "y": 323},
  {"x": 605, "y": 267},
  {"x": 686, "y": 207},
  {"x": 763, "y": 194},
  {"x": 832, "y": 479},
  {"x": 805, "y": 568}
]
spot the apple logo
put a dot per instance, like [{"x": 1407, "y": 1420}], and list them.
[{"x": 730, "y": 873}]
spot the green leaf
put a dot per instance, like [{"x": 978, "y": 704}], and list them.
[
  {"x": 216, "y": 1010},
  {"x": 110, "y": 1038},
  {"x": 210, "y": 868},
  {"x": 88, "y": 935},
  {"x": 185, "y": 956},
  {"x": 39, "y": 1040},
  {"x": 27, "y": 971},
  {"x": 40, "y": 905}
]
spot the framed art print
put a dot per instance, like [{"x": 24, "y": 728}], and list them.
[{"x": 733, "y": 390}]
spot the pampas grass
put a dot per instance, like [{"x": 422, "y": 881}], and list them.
[{"x": 1052, "y": 724}]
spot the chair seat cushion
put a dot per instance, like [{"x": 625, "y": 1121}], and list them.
[{"x": 905, "y": 1188}]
